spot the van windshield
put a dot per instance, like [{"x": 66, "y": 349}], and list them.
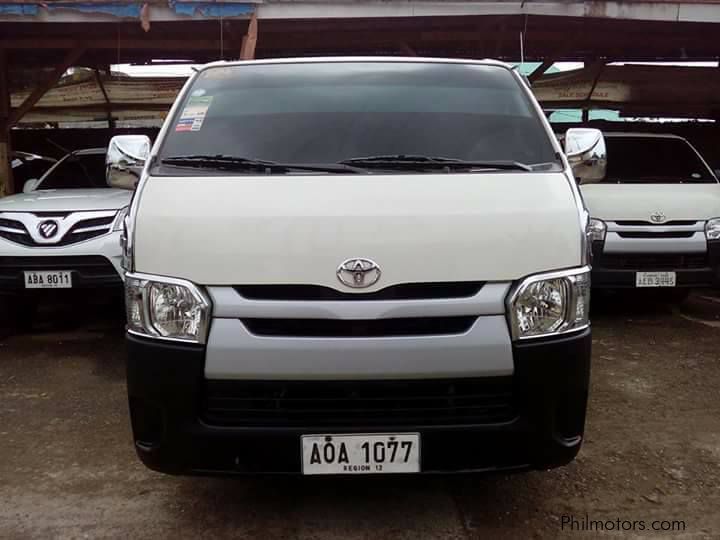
[
  {"x": 324, "y": 113},
  {"x": 654, "y": 160}
]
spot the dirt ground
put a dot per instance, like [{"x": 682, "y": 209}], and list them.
[{"x": 652, "y": 452}]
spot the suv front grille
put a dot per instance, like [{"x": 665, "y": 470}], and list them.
[
  {"x": 343, "y": 328},
  {"x": 404, "y": 291},
  {"x": 87, "y": 270},
  {"x": 78, "y": 232},
  {"x": 359, "y": 403},
  {"x": 16, "y": 231}
]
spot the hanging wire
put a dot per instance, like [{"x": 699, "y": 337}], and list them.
[
  {"x": 222, "y": 44},
  {"x": 117, "y": 36},
  {"x": 522, "y": 49}
]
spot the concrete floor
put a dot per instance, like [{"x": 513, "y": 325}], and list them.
[{"x": 652, "y": 452}]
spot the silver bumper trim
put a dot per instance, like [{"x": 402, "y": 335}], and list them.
[{"x": 614, "y": 243}]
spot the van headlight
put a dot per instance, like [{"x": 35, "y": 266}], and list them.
[
  {"x": 712, "y": 229},
  {"x": 596, "y": 230},
  {"x": 166, "y": 308},
  {"x": 550, "y": 304}
]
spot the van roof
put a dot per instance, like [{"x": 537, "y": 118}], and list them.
[
  {"x": 341, "y": 59},
  {"x": 637, "y": 134}
]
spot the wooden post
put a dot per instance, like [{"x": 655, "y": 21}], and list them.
[
  {"x": 108, "y": 104},
  {"x": 596, "y": 68},
  {"x": 6, "y": 179},
  {"x": 249, "y": 41}
]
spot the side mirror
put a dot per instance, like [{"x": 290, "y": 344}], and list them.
[
  {"x": 126, "y": 156},
  {"x": 30, "y": 185},
  {"x": 585, "y": 150}
]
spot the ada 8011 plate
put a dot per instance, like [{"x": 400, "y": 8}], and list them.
[
  {"x": 54, "y": 279},
  {"x": 361, "y": 453}
]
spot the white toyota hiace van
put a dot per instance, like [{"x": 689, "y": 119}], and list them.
[
  {"x": 357, "y": 265},
  {"x": 655, "y": 217}
]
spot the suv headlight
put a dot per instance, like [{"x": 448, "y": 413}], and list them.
[
  {"x": 120, "y": 219},
  {"x": 550, "y": 304},
  {"x": 712, "y": 229},
  {"x": 166, "y": 308},
  {"x": 596, "y": 230}
]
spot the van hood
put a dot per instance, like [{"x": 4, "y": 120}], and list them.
[
  {"x": 65, "y": 200},
  {"x": 299, "y": 229},
  {"x": 613, "y": 202}
]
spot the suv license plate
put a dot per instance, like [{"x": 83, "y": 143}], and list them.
[
  {"x": 55, "y": 279},
  {"x": 655, "y": 279},
  {"x": 361, "y": 454}
]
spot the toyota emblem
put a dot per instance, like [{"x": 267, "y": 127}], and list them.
[
  {"x": 358, "y": 273},
  {"x": 657, "y": 217}
]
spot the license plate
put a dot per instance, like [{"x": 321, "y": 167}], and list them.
[
  {"x": 361, "y": 454},
  {"x": 655, "y": 279},
  {"x": 56, "y": 279}
]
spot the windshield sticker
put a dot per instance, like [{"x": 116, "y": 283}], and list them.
[
  {"x": 193, "y": 115},
  {"x": 199, "y": 92}
]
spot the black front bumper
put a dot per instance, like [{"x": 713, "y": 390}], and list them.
[
  {"x": 166, "y": 389},
  {"x": 88, "y": 272},
  {"x": 617, "y": 271}
]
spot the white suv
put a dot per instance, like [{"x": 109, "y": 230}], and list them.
[{"x": 63, "y": 232}]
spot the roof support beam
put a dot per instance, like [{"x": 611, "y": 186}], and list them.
[
  {"x": 249, "y": 41},
  {"x": 596, "y": 68},
  {"x": 108, "y": 105},
  {"x": 540, "y": 70},
  {"x": 6, "y": 178},
  {"x": 70, "y": 58}
]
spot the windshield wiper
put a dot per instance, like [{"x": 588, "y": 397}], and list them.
[
  {"x": 237, "y": 163},
  {"x": 409, "y": 161}
]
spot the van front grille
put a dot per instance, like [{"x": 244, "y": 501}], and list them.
[
  {"x": 342, "y": 328},
  {"x": 671, "y": 223},
  {"x": 359, "y": 403},
  {"x": 649, "y": 234},
  {"x": 405, "y": 291},
  {"x": 642, "y": 261}
]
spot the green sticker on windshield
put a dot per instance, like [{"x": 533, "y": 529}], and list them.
[{"x": 194, "y": 113}]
